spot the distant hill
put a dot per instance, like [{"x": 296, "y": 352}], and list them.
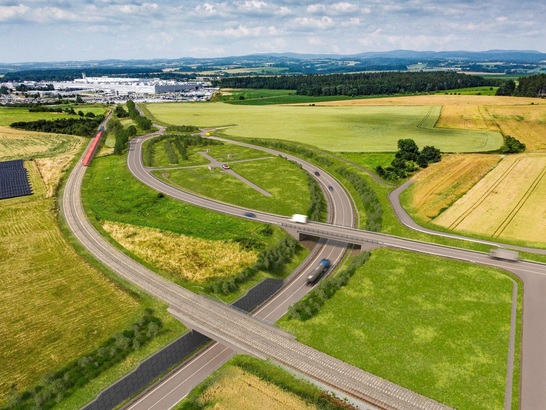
[{"x": 514, "y": 62}]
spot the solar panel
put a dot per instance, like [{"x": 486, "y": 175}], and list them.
[{"x": 13, "y": 179}]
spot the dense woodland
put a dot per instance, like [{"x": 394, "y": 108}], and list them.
[
  {"x": 533, "y": 86},
  {"x": 361, "y": 83}
]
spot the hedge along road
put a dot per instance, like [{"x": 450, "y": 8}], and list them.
[{"x": 526, "y": 270}]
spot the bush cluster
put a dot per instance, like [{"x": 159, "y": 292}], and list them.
[
  {"x": 372, "y": 206},
  {"x": 408, "y": 160},
  {"x": 42, "y": 108},
  {"x": 182, "y": 128},
  {"x": 84, "y": 127},
  {"x": 173, "y": 159},
  {"x": 310, "y": 305},
  {"x": 272, "y": 258},
  {"x": 57, "y": 386},
  {"x": 512, "y": 146},
  {"x": 318, "y": 205}
]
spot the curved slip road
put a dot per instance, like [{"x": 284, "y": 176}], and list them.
[
  {"x": 533, "y": 371},
  {"x": 232, "y": 327}
]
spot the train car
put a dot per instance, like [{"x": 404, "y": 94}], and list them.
[
  {"x": 93, "y": 147},
  {"x": 322, "y": 268}
]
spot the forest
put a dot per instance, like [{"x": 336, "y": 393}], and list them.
[{"x": 384, "y": 83}]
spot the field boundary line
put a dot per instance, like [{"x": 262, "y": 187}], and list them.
[
  {"x": 484, "y": 196},
  {"x": 532, "y": 188}
]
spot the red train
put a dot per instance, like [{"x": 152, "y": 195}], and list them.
[{"x": 93, "y": 147}]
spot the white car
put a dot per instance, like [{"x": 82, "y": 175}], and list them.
[{"x": 225, "y": 166}]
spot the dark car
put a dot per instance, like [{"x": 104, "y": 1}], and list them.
[
  {"x": 250, "y": 214},
  {"x": 330, "y": 188},
  {"x": 317, "y": 173}
]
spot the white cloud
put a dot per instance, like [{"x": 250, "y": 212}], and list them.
[
  {"x": 320, "y": 23},
  {"x": 10, "y": 12}
]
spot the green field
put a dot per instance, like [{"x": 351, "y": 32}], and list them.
[
  {"x": 283, "y": 180},
  {"x": 338, "y": 128},
  {"x": 440, "y": 329},
  {"x": 9, "y": 115}
]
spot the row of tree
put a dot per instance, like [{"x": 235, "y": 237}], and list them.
[
  {"x": 311, "y": 304},
  {"x": 142, "y": 122},
  {"x": 84, "y": 127},
  {"x": 361, "y": 83},
  {"x": 532, "y": 86}
]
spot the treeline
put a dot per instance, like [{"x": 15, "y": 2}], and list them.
[
  {"x": 311, "y": 304},
  {"x": 317, "y": 205},
  {"x": 142, "y": 122},
  {"x": 361, "y": 83},
  {"x": 84, "y": 127},
  {"x": 304, "y": 152},
  {"x": 55, "y": 387},
  {"x": 42, "y": 108},
  {"x": 122, "y": 135},
  {"x": 408, "y": 159},
  {"x": 532, "y": 86},
  {"x": 272, "y": 259}
]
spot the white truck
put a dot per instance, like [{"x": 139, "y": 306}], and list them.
[
  {"x": 298, "y": 218},
  {"x": 505, "y": 254}
]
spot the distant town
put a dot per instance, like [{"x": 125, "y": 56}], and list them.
[{"x": 106, "y": 90}]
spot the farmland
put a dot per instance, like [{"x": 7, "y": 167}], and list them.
[
  {"x": 508, "y": 203},
  {"x": 440, "y": 329},
  {"x": 341, "y": 128},
  {"x": 441, "y": 184}
]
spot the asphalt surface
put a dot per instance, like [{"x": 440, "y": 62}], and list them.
[
  {"x": 533, "y": 369},
  {"x": 533, "y": 274}
]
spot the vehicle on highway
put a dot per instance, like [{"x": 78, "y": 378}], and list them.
[
  {"x": 250, "y": 214},
  {"x": 330, "y": 188},
  {"x": 317, "y": 173},
  {"x": 298, "y": 218},
  {"x": 225, "y": 166},
  {"x": 505, "y": 254},
  {"x": 322, "y": 268}
]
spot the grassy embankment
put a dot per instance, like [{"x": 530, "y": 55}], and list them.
[
  {"x": 436, "y": 327},
  {"x": 57, "y": 305},
  {"x": 248, "y": 383},
  {"x": 282, "y": 179},
  {"x": 111, "y": 194}
]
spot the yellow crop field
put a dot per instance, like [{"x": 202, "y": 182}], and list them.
[
  {"x": 237, "y": 389},
  {"x": 441, "y": 184},
  {"x": 186, "y": 257},
  {"x": 508, "y": 203},
  {"x": 17, "y": 144}
]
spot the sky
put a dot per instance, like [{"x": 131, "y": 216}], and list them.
[{"x": 81, "y": 30}]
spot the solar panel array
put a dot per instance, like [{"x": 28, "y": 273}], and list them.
[{"x": 13, "y": 179}]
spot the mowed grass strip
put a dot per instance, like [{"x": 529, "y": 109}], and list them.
[
  {"x": 284, "y": 180},
  {"x": 441, "y": 184},
  {"x": 192, "y": 259},
  {"x": 339, "y": 128},
  {"x": 55, "y": 306},
  {"x": 437, "y": 327},
  {"x": 507, "y": 203}
]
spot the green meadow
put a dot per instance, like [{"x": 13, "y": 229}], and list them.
[
  {"x": 439, "y": 329},
  {"x": 334, "y": 128}
]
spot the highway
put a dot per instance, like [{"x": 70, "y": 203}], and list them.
[
  {"x": 533, "y": 361},
  {"x": 246, "y": 334}
]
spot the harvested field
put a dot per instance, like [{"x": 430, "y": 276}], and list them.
[
  {"x": 189, "y": 258},
  {"x": 508, "y": 203},
  {"x": 237, "y": 389},
  {"x": 18, "y": 144},
  {"x": 441, "y": 184},
  {"x": 54, "y": 306},
  {"x": 526, "y": 123},
  {"x": 51, "y": 170}
]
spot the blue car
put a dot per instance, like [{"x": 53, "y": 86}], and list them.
[{"x": 250, "y": 214}]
